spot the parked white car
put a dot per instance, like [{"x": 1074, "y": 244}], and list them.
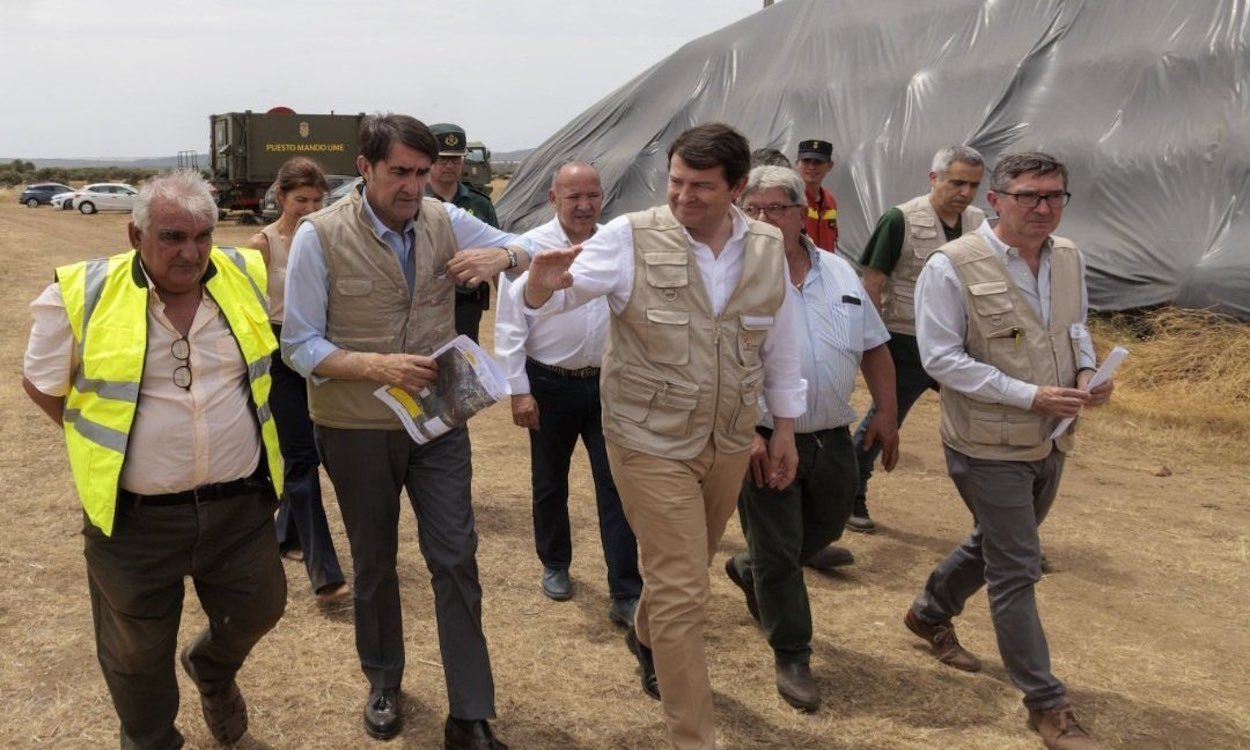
[
  {"x": 105, "y": 196},
  {"x": 64, "y": 200}
]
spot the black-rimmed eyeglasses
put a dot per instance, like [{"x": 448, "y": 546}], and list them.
[
  {"x": 1032, "y": 200},
  {"x": 181, "y": 349},
  {"x": 772, "y": 209}
]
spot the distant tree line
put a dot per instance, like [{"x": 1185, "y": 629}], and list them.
[{"x": 20, "y": 172}]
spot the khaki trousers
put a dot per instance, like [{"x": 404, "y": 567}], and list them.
[{"x": 678, "y": 510}]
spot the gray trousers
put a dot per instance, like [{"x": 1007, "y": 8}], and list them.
[
  {"x": 368, "y": 469},
  {"x": 1009, "y": 500},
  {"x": 136, "y": 577}
]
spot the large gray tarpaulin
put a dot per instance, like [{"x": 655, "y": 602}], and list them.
[{"x": 1147, "y": 101}]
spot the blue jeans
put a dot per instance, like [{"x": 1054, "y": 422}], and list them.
[
  {"x": 301, "y": 518},
  {"x": 910, "y": 383},
  {"x": 569, "y": 407}
]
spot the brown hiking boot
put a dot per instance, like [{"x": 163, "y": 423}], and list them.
[
  {"x": 1059, "y": 729},
  {"x": 945, "y": 645}
]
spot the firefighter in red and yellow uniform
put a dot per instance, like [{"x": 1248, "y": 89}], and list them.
[{"x": 815, "y": 160}]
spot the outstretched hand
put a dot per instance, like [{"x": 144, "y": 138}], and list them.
[{"x": 548, "y": 272}]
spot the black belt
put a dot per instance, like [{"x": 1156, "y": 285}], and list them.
[
  {"x": 581, "y": 373},
  {"x": 203, "y": 494}
]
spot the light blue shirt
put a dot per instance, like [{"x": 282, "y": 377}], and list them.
[
  {"x": 836, "y": 323},
  {"x": 942, "y": 324},
  {"x": 304, "y": 344}
]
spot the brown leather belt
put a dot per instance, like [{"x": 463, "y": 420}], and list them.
[{"x": 581, "y": 373}]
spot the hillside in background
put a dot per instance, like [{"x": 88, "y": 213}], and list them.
[{"x": 162, "y": 162}]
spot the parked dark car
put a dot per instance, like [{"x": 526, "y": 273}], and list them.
[
  {"x": 40, "y": 194},
  {"x": 269, "y": 210}
]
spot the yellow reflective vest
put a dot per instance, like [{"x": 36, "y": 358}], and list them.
[{"x": 106, "y": 301}]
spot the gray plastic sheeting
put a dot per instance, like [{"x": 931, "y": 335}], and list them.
[{"x": 1145, "y": 100}]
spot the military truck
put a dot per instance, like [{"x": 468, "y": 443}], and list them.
[
  {"x": 477, "y": 167},
  {"x": 247, "y": 148}
]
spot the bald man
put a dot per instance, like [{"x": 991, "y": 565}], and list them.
[{"x": 553, "y": 370}]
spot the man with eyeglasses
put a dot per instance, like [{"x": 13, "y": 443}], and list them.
[
  {"x": 840, "y": 334},
  {"x": 1000, "y": 320},
  {"x": 155, "y": 362},
  {"x": 445, "y": 184},
  {"x": 905, "y": 236}
]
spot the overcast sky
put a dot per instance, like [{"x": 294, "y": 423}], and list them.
[{"x": 139, "y": 78}]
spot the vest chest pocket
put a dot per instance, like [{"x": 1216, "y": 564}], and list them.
[
  {"x": 353, "y": 287},
  {"x": 663, "y": 407},
  {"x": 752, "y": 329},
  {"x": 990, "y": 298},
  {"x": 668, "y": 336},
  {"x": 667, "y": 270},
  {"x": 922, "y": 228}
]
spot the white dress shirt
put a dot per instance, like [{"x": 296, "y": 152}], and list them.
[
  {"x": 180, "y": 438},
  {"x": 837, "y": 323},
  {"x": 605, "y": 268},
  {"x": 572, "y": 339},
  {"x": 942, "y": 324}
]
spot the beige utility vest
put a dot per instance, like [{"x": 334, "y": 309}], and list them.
[
  {"x": 922, "y": 234},
  {"x": 1004, "y": 331},
  {"x": 673, "y": 373},
  {"x": 370, "y": 309}
]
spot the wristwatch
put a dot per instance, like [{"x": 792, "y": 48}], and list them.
[{"x": 511, "y": 257}]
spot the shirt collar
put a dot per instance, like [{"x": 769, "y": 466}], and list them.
[
  {"x": 1000, "y": 248},
  {"x": 379, "y": 228}
]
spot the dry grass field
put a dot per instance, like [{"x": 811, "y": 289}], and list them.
[{"x": 1146, "y": 610}]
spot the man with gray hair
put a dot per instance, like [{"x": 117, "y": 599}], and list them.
[
  {"x": 154, "y": 365},
  {"x": 553, "y": 371},
  {"x": 1000, "y": 323},
  {"x": 905, "y": 236},
  {"x": 785, "y": 528}
]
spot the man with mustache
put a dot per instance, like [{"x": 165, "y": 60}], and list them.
[
  {"x": 905, "y": 236},
  {"x": 155, "y": 362}
]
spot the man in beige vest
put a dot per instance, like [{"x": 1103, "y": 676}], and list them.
[
  {"x": 700, "y": 326},
  {"x": 1000, "y": 321},
  {"x": 369, "y": 295},
  {"x": 906, "y": 235}
]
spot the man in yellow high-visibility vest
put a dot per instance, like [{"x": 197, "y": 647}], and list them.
[{"x": 155, "y": 362}]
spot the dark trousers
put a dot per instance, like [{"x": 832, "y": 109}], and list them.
[
  {"x": 470, "y": 303},
  {"x": 1009, "y": 500},
  {"x": 368, "y": 469},
  {"x": 784, "y": 528},
  {"x": 569, "y": 408},
  {"x": 301, "y": 518},
  {"x": 136, "y": 582},
  {"x": 910, "y": 383}
]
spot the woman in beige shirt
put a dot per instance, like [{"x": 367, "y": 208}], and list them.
[{"x": 303, "y": 533}]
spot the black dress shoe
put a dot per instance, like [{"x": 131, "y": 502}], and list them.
[
  {"x": 469, "y": 734},
  {"x": 382, "y": 717},
  {"x": 650, "y": 684}
]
